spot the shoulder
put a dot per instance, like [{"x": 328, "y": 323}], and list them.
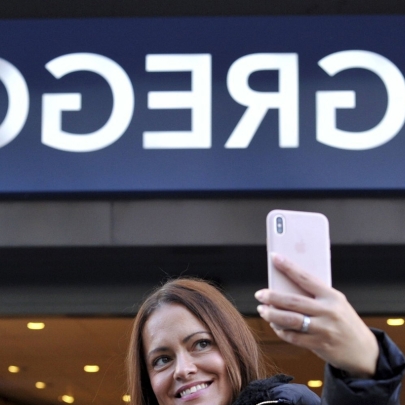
[{"x": 277, "y": 388}]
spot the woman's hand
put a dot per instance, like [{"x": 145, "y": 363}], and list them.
[{"x": 335, "y": 333}]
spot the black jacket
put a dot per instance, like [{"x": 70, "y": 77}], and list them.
[
  {"x": 339, "y": 389},
  {"x": 277, "y": 389}
]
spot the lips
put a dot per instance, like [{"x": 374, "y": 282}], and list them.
[{"x": 191, "y": 389}]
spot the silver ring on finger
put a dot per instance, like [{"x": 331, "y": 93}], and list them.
[{"x": 305, "y": 324}]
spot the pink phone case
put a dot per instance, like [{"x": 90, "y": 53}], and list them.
[{"x": 302, "y": 237}]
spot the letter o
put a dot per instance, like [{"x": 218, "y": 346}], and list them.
[{"x": 18, "y": 102}]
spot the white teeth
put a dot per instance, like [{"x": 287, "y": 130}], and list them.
[{"x": 191, "y": 390}]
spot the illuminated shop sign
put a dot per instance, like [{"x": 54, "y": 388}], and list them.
[{"x": 202, "y": 104}]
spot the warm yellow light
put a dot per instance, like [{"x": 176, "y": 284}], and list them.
[
  {"x": 35, "y": 325},
  {"x": 314, "y": 383},
  {"x": 40, "y": 385},
  {"x": 68, "y": 399},
  {"x": 395, "y": 321},
  {"x": 91, "y": 368},
  {"x": 14, "y": 369},
  {"x": 126, "y": 398}
]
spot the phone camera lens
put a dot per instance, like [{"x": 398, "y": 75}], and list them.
[{"x": 279, "y": 225}]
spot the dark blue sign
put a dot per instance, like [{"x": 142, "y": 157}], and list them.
[{"x": 202, "y": 104}]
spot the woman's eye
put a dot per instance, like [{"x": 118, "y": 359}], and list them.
[
  {"x": 161, "y": 361},
  {"x": 203, "y": 344}
]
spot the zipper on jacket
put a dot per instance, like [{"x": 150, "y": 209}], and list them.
[{"x": 276, "y": 401}]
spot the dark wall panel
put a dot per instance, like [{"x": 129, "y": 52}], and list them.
[
  {"x": 95, "y": 8},
  {"x": 113, "y": 281}
]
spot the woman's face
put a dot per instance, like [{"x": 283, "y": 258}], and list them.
[{"x": 184, "y": 364}]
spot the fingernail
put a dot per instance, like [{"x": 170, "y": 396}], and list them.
[
  {"x": 277, "y": 258},
  {"x": 260, "y": 309},
  {"x": 259, "y": 295}
]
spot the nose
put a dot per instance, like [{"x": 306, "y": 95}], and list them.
[{"x": 185, "y": 366}]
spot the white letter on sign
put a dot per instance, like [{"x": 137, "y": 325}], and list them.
[
  {"x": 55, "y": 104},
  {"x": 258, "y": 102},
  {"x": 18, "y": 102},
  {"x": 198, "y": 99},
  {"x": 328, "y": 101}
]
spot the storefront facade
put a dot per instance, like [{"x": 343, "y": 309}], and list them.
[
  {"x": 157, "y": 146},
  {"x": 141, "y": 141}
]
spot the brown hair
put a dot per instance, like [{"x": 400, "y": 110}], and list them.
[{"x": 233, "y": 337}]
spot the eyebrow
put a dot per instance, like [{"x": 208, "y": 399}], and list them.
[{"x": 185, "y": 340}]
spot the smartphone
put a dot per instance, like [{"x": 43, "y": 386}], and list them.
[{"x": 302, "y": 237}]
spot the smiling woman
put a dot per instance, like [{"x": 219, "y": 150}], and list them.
[
  {"x": 173, "y": 354},
  {"x": 190, "y": 345},
  {"x": 186, "y": 320}
]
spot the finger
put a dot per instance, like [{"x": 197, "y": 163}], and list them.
[
  {"x": 306, "y": 281},
  {"x": 291, "y": 302},
  {"x": 285, "y": 320},
  {"x": 295, "y": 338}
]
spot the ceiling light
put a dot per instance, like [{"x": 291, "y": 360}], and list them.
[
  {"x": 395, "y": 321},
  {"x": 314, "y": 383},
  {"x": 91, "y": 368},
  {"x": 14, "y": 369},
  {"x": 126, "y": 398},
  {"x": 35, "y": 325},
  {"x": 68, "y": 399},
  {"x": 40, "y": 385}
]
